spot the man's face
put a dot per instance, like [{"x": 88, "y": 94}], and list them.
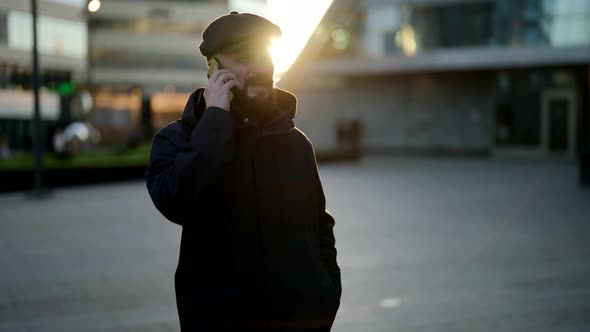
[{"x": 254, "y": 69}]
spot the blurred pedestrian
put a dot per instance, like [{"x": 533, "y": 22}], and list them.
[{"x": 257, "y": 251}]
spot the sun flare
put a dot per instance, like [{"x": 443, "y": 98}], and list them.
[{"x": 298, "y": 20}]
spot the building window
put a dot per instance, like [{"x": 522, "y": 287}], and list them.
[
  {"x": 58, "y": 36},
  {"x": 467, "y": 24},
  {"x": 3, "y": 28}
]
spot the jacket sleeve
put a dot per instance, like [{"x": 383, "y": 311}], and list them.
[
  {"x": 180, "y": 168},
  {"x": 326, "y": 228}
]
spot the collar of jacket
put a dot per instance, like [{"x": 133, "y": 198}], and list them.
[{"x": 286, "y": 103}]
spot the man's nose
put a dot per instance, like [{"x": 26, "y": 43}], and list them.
[
  {"x": 252, "y": 74},
  {"x": 258, "y": 67},
  {"x": 254, "y": 71}
]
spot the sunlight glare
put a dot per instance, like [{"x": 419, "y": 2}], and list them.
[{"x": 298, "y": 20}]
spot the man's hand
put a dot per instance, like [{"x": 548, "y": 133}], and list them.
[{"x": 217, "y": 89}]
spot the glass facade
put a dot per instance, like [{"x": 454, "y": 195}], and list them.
[
  {"x": 13, "y": 77},
  {"x": 518, "y": 103},
  {"x": 462, "y": 25},
  {"x": 420, "y": 26},
  {"x": 137, "y": 59},
  {"x": 518, "y": 115},
  {"x": 142, "y": 34}
]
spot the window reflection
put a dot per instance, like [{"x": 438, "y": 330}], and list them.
[{"x": 421, "y": 26}]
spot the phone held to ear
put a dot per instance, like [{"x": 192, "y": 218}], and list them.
[{"x": 214, "y": 63}]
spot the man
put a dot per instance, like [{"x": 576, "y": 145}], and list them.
[{"x": 257, "y": 249}]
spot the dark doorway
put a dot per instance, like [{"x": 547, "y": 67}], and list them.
[{"x": 558, "y": 125}]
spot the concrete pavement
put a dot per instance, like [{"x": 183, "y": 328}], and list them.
[{"x": 425, "y": 244}]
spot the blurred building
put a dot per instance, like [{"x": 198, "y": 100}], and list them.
[
  {"x": 62, "y": 48},
  {"x": 450, "y": 76},
  {"x": 144, "y": 61}
]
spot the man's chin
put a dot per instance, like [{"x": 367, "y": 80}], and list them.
[
  {"x": 259, "y": 92},
  {"x": 256, "y": 104}
]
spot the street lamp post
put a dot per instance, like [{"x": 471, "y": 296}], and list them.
[{"x": 37, "y": 134}]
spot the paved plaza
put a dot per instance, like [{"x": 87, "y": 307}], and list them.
[{"x": 424, "y": 244}]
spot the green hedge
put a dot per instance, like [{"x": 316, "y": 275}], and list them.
[
  {"x": 121, "y": 158},
  {"x": 98, "y": 159}
]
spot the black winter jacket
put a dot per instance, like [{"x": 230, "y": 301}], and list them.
[{"x": 257, "y": 251}]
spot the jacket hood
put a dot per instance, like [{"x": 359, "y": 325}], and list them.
[{"x": 195, "y": 106}]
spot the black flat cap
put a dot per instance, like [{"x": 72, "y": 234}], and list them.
[{"x": 237, "y": 30}]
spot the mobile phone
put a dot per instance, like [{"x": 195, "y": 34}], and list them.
[
  {"x": 215, "y": 63},
  {"x": 212, "y": 64}
]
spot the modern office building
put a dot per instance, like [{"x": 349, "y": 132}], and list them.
[
  {"x": 62, "y": 50},
  {"x": 144, "y": 61},
  {"x": 452, "y": 76}
]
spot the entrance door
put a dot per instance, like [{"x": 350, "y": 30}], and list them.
[{"x": 559, "y": 122}]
